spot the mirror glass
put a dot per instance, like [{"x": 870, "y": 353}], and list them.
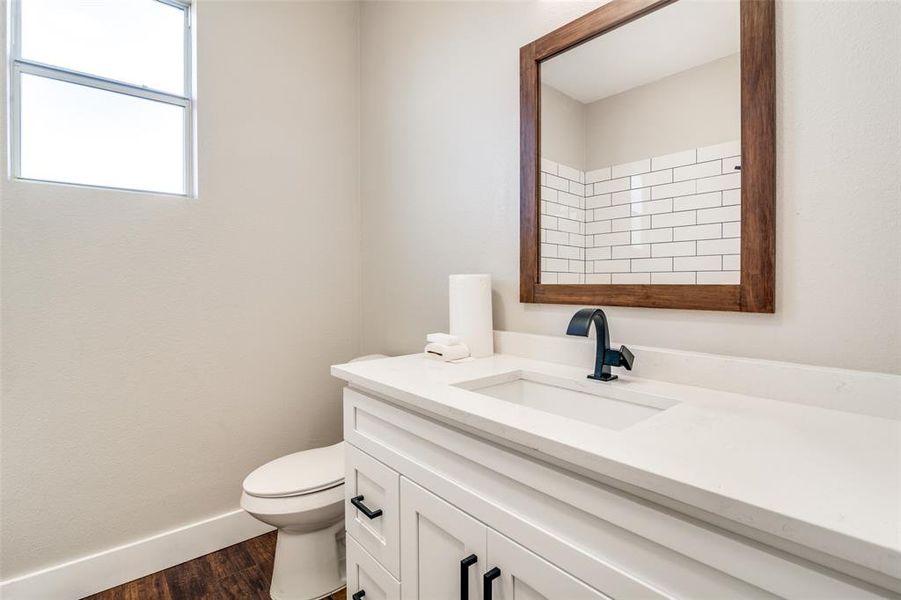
[{"x": 640, "y": 152}]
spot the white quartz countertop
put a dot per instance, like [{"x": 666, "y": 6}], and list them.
[{"x": 826, "y": 479}]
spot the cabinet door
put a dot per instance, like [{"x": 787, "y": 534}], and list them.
[
  {"x": 435, "y": 538},
  {"x": 525, "y": 576}
]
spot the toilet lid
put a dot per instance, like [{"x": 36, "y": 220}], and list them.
[{"x": 299, "y": 473}]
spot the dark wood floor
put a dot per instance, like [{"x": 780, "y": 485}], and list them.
[{"x": 242, "y": 571}]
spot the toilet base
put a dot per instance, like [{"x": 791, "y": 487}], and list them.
[{"x": 309, "y": 565}]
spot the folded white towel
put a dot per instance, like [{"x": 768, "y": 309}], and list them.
[
  {"x": 446, "y": 352},
  {"x": 443, "y": 338}
]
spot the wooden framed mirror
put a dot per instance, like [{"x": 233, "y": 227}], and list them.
[{"x": 647, "y": 157}]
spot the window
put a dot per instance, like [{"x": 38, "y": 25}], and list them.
[{"x": 101, "y": 93}]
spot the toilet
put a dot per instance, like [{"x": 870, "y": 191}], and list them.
[{"x": 302, "y": 495}]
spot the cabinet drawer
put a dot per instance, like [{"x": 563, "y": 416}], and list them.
[
  {"x": 379, "y": 487},
  {"x": 364, "y": 574}
]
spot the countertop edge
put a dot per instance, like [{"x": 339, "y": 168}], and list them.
[{"x": 794, "y": 532}]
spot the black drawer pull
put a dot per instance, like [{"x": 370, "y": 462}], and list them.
[
  {"x": 487, "y": 579},
  {"x": 464, "y": 575},
  {"x": 358, "y": 502},
  {"x": 358, "y": 595}
]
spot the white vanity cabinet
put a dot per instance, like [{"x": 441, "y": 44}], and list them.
[{"x": 446, "y": 494}]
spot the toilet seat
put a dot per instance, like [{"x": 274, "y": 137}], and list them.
[
  {"x": 298, "y": 474},
  {"x": 294, "y": 511}
]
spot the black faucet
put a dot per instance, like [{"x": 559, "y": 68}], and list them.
[{"x": 605, "y": 357}]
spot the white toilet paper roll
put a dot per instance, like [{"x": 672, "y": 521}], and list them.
[{"x": 470, "y": 312}]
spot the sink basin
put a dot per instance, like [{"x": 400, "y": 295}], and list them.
[{"x": 598, "y": 403}]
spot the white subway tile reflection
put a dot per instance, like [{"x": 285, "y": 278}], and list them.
[{"x": 672, "y": 219}]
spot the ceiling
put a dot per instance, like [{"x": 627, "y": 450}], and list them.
[{"x": 677, "y": 37}]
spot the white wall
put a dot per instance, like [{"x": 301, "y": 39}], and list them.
[
  {"x": 698, "y": 107},
  {"x": 158, "y": 349},
  {"x": 440, "y": 181},
  {"x": 563, "y": 128}
]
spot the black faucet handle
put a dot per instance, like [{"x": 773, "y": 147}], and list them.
[
  {"x": 619, "y": 358},
  {"x": 626, "y": 358}
]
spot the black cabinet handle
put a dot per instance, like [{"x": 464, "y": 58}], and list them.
[
  {"x": 486, "y": 582},
  {"x": 358, "y": 502},
  {"x": 464, "y": 575},
  {"x": 358, "y": 595}
]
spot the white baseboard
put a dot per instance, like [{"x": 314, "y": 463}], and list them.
[{"x": 97, "y": 572}]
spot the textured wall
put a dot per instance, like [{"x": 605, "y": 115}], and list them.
[
  {"x": 440, "y": 182},
  {"x": 157, "y": 349}
]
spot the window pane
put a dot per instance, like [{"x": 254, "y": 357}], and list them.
[
  {"x": 76, "y": 134},
  {"x": 141, "y": 42}
]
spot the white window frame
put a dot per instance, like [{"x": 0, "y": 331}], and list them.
[{"x": 19, "y": 65}]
